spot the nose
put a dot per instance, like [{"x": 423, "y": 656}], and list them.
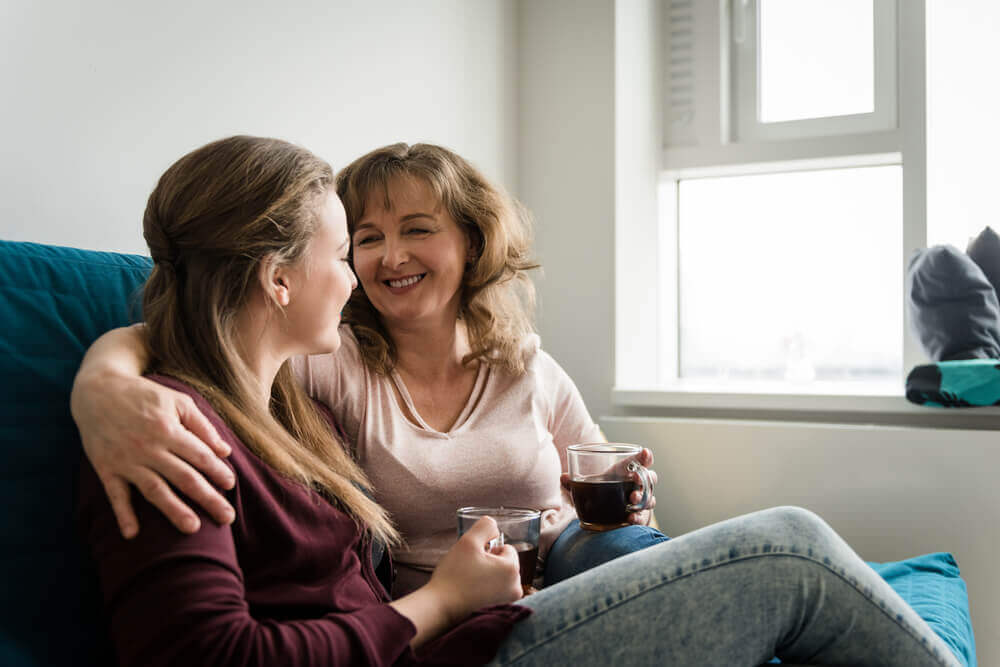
[
  {"x": 354, "y": 278},
  {"x": 395, "y": 255}
]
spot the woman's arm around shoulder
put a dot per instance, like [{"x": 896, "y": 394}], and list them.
[{"x": 135, "y": 431}]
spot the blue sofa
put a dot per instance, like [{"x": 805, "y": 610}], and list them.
[{"x": 53, "y": 303}]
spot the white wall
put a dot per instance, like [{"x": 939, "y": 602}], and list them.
[
  {"x": 566, "y": 170},
  {"x": 100, "y": 97}
]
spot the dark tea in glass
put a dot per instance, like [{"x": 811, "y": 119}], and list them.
[
  {"x": 602, "y": 503},
  {"x": 602, "y": 477}
]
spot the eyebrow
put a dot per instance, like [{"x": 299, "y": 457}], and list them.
[
  {"x": 414, "y": 216},
  {"x": 406, "y": 218}
]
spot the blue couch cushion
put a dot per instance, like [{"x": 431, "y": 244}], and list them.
[
  {"x": 53, "y": 303},
  {"x": 934, "y": 587}
]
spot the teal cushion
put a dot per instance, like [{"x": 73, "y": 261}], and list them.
[
  {"x": 53, "y": 303},
  {"x": 933, "y": 586}
]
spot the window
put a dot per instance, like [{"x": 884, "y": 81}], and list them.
[
  {"x": 788, "y": 199},
  {"x": 813, "y": 67},
  {"x": 770, "y": 265}
]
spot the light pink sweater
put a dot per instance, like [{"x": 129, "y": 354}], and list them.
[{"x": 507, "y": 447}]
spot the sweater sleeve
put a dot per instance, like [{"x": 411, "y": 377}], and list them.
[
  {"x": 176, "y": 599},
  {"x": 569, "y": 422}
]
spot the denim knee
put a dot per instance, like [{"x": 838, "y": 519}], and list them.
[
  {"x": 577, "y": 550},
  {"x": 800, "y": 522}
]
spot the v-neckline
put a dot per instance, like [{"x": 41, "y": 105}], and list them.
[{"x": 414, "y": 418}]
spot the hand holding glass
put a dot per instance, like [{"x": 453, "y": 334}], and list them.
[
  {"x": 602, "y": 477},
  {"x": 519, "y": 527}
]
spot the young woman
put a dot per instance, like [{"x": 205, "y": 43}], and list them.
[
  {"x": 250, "y": 249},
  {"x": 441, "y": 385},
  {"x": 250, "y": 246}
]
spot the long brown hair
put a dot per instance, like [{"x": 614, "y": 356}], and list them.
[
  {"x": 214, "y": 216},
  {"x": 497, "y": 298}
]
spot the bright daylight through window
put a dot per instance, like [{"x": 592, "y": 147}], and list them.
[
  {"x": 816, "y": 59},
  {"x": 782, "y": 185},
  {"x": 791, "y": 277}
]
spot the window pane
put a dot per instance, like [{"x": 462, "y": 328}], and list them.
[
  {"x": 792, "y": 277},
  {"x": 817, "y": 58}
]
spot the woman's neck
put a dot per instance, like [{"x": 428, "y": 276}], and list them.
[
  {"x": 263, "y": 369},
  {"x": 258, "y": 348},
  {"x": 431, "y": 353}
]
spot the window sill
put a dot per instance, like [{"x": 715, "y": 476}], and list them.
[{"x": 836, "y": 398}]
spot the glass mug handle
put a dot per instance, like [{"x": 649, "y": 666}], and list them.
[{"x": 647, "y": 486}]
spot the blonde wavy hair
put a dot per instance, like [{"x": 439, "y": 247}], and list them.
[
  {"x": 213, "y": 217},
  {"x": 497, "y": 298}
]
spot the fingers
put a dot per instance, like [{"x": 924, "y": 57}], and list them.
[
  {"x": 191, "y": 448},
  {"x": 509, "y": 554},
  {"x": 121, "y": 505},
  {"x": 642, "y": 517},
  {"x": 636, "y": 497},
  {"x": 160, "y": 495},
  {"x": 189, "y": 482},
  {"x": 197, "y": 423},
  {"x": 482, "y": 532},
  {"x": 645, "y": 457}
]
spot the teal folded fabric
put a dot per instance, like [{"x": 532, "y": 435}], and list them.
[{"x": 955, "y": 384}]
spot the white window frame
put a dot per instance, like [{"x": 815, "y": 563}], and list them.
[
  {"x": 708, "y": 143},
  {"x": 746, "y": 66}
]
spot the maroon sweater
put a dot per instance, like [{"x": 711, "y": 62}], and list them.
[{"x": 290, "y": 582}]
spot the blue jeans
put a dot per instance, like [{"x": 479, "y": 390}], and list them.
[
  {"x": 577, "y": 550},
  {"x": 776, "y": 582}
]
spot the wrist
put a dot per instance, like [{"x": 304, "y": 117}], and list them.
[
  {"x": 88, "y": 380},
  {"x": 427, "y": 608}
]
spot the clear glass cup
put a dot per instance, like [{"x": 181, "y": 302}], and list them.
[
  {"x": 602, "y": 477},
  {"x": 519, "y": 527}
]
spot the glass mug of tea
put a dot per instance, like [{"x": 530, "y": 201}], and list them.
[
  {"x": 602, "y": 477},
  {"x": 519, "y": 527}
]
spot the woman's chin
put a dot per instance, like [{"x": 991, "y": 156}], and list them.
[{"x": 326, "y": 347}]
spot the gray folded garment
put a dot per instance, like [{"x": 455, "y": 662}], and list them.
[
  {"x": 984, "y": 250},
  {"x": 953, "y": 308}
]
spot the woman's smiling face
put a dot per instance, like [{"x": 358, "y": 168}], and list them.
[{"x": 411, "y": 256}]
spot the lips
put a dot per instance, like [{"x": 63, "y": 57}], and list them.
[{"x": 398, "y": 283}]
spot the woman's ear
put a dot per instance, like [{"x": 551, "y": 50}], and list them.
[
  {"x": 471, "y": 247},
  {"x": 274, "y": 280}
]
